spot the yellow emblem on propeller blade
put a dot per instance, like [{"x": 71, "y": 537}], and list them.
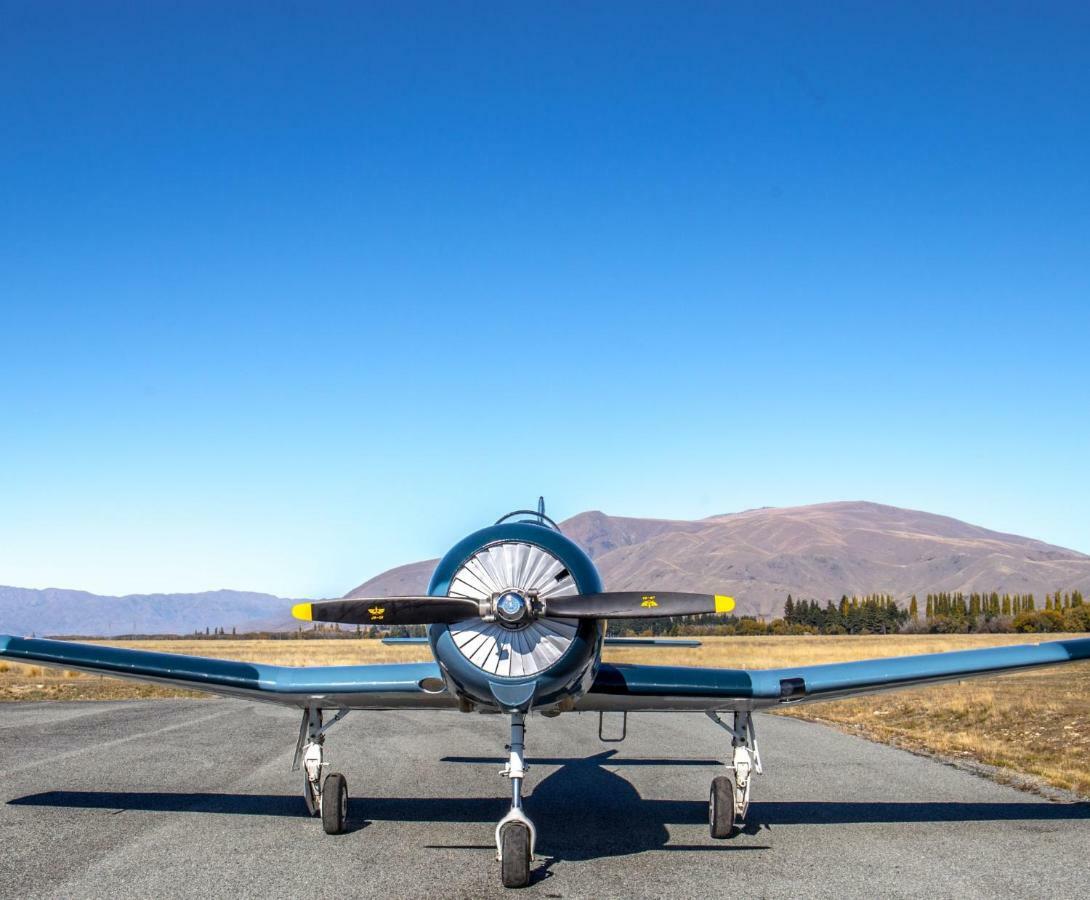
[
  {"x": 649, "y": 601},
  {"x": 377, "y": 612},
  {"x": 302, "y": 611}
]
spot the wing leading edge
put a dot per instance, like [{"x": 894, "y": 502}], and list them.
[
  {"x": 391, "y": 686},
  {"x": 635, "y": 687}
]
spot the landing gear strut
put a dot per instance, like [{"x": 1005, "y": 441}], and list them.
[
  {"x": 328, "y": 798},
  {"x": 515, "y": 833},
  {"x": 729, "y": 797}
]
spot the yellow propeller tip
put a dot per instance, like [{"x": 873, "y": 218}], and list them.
[
  {"x": 302, "y": 611},
  {"x": 723, "y": 604}
]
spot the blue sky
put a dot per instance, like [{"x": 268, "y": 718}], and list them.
[{"x": 291, "y": 295}]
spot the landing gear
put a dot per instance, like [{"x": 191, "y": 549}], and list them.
[
  {"x": 515, "y": 833},
  {"x": 329, "y": 799},
  {"x": 729, "y": 800}
]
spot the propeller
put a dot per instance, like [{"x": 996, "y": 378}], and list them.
[
  {"x": 511, "y": 608},
  {"x": 423, "y": 610},
  {"x": 637, "y": 605}
]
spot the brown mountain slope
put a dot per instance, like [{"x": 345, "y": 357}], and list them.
[
  {"x": 819, "y": 551},
  {"x": 408, "y": 579}
]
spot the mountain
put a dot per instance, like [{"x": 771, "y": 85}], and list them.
[
  {"x": 819, "y": 551},
  {"x": 59, "y": 611},
  {"x": 758, "y": 556}
]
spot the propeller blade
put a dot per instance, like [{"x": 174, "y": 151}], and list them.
[
  {"x": 389, "y": 610},
  {"x": 637, "y": 605}
]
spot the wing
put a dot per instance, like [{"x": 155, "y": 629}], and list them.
[
  {"x": 394, "y": 686},
  {"x": 632, "y": 687}
]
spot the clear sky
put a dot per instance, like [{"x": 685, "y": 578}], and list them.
[{"x": 292, "y": 293}]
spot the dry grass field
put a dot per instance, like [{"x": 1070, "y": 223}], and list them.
[{"x": 1034, "y": 723}]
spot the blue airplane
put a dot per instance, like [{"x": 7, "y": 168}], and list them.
[{"x": 516, "y": 615}]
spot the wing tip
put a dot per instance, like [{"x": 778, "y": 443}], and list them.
[{"x": 303, "y": 611}]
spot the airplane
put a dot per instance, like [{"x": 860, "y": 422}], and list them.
[{"x": 516, "y": 619}]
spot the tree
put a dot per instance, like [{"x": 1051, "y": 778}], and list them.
[
  {"x": 789, "y": 610},
  {"x": 913, "y": 609}
]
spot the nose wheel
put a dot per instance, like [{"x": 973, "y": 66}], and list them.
[
  {"x": 515, "y": 834},
  {"x": 515, "y": 855}
]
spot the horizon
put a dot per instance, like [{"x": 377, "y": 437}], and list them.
[
  {"x": 439, "y": 553},
  {"x": 289, "y": 294}
]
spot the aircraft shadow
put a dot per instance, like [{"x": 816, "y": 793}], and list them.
[{"x": 582, "y": 810}]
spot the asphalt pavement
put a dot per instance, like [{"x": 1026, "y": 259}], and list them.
[{"x": 192, "y": 798}]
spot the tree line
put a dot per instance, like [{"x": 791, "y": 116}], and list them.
[{"x": 942, "y": 613}]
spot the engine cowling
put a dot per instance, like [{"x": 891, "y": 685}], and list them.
[{"x": 516, "y": 663}]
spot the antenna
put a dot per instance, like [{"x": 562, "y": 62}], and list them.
[{"x": 538, "y": 516}]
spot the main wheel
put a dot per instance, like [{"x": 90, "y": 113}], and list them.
[
  {"x": 334, "y": 803},
  {"x": 515, "y": 855},
  {"x": 721, "y": 811}
]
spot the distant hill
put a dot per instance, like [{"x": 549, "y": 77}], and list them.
[
  {"x": 60, "y": 611},
  {"x": 759, "y": 556},
  {"x": 819, "y": 551}
]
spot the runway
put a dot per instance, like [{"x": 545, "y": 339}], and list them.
[{"x": 194, "y": 798}]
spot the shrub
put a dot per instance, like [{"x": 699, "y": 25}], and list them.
[
  {"x": 1040, "y": 620},
  {"x": 947, "y": 625},
  {"x": 1077, "y": 618},
  {"x": 751, "y": 627}
]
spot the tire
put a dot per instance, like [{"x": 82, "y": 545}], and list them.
[
  {"x": 721, "y": 807},
  {"x": 334, "y": 804},
  {"x": 515, "y": 855}
]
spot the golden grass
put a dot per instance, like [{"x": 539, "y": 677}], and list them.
[{"x": 1036, "y": 723}]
